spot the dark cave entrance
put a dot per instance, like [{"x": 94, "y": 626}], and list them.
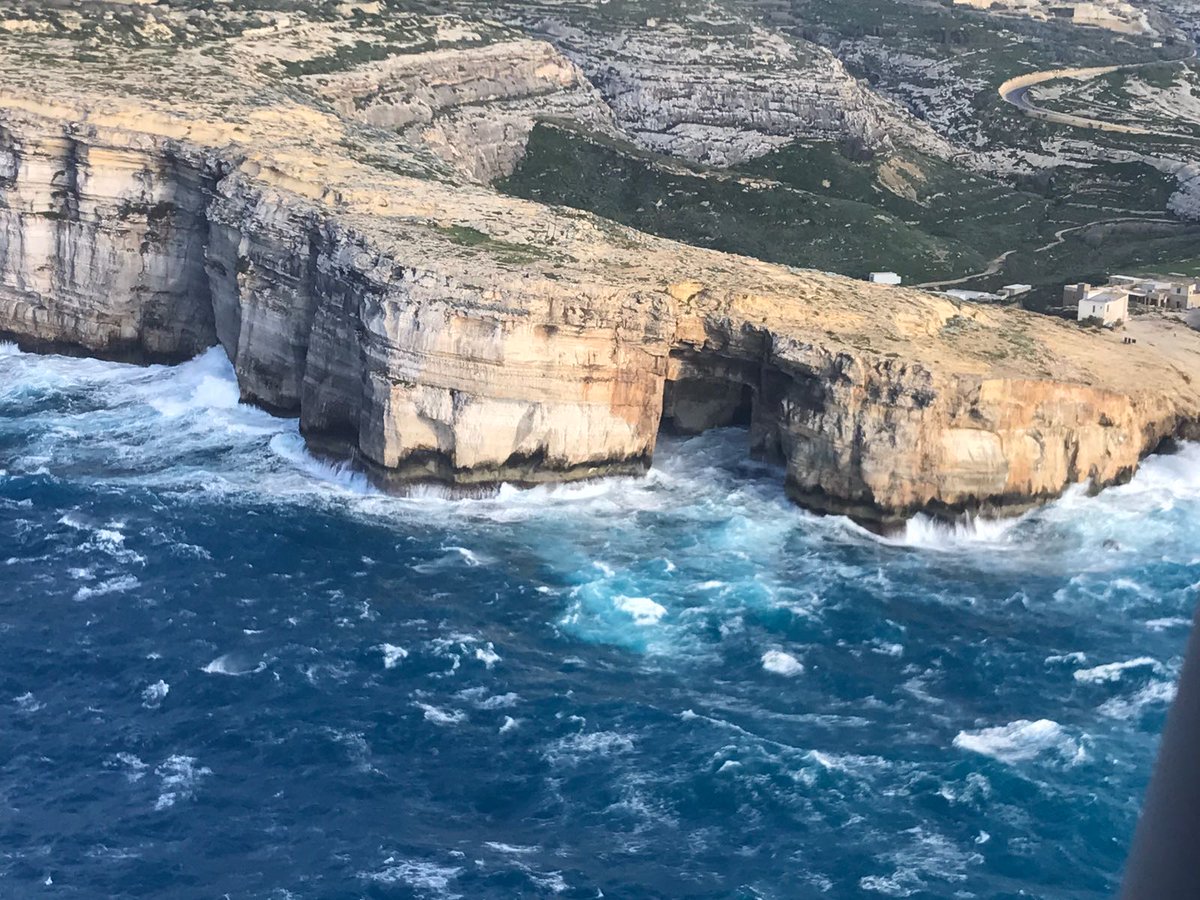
[
  {"x": 705, "y": 390},
  {"x": 694, "y": 405}
]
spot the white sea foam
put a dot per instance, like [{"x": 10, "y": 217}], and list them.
[
  {"x": 928, "y": 533},
  {"x": 509, "y": 724},
  {"x": 110, "y": 535},
  {"x": 290, "y": 447},
  {"x": 1140, "y": 516},
  {"x": 487, "y": 655},
  {"x": 204, "y": 385},
  {"x": 928, "y": 857},
  {"x": 1110, "y": 672},
  {"x": 28, "y": 703},
  {"x": 453, "y": 557},
  {"x": 470, "y": 558},
  {"x": 1074, "y": 658},
  {"x": 423, "y": 877},
  {"x": 510, "y": 849},
  {"x": 550, "y": 881},
  {"x": 781, "y": 663},
  {"x": 499, "y": 701},
  {"x": 1167, "y": 622},
  {"x": 574, "y": 747},
  {"x": 233, "y": 664},
  {"x": 392, "y": 655},
  {"x": 855, "y": 765},
  {"x": 178, "y": 778},
  {"x": 356, "y": 747},
  {"x": 154, "y": 694},
  {"x": 642, "y": 610},
  {"x": 120, "y": 584},
  {"x": 974, "y": 790},
  {"x": 439, "y": 716},
  {"x": 1157, "y": 694},
  {"x": 1023, "y": 740},
  {"x": 134, "y": 768}
]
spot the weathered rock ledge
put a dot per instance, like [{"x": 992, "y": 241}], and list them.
[{"x": 436, "y": 330}]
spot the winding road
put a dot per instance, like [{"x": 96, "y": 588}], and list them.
[
  {"x": 1060, "y": 237},
  {"x": 1016, "y": 91}
]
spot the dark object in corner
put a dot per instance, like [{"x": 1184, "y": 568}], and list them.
[{"x": 1165, "y": 861}]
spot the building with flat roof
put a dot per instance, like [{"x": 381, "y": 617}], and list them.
[
  {"x": 885, "y": 278},
  {"x": 1109, "y": 305},
  {"x": 1156, "y": 293}
]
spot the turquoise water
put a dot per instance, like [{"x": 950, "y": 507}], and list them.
[{"x": 229, "y": 669}]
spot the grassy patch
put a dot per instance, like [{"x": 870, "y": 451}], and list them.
[
  {"x": 732, "y": 212},
  {"x": 810, "y": 205}
]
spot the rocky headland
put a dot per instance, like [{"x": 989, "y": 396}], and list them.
[{"x": 321, "y": 216}]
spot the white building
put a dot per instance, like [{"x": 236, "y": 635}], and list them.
[
  {"x": 1015, "y": 290},
  {"x": 885, "y": 278},
  {"x": 1108, "y": 304}
]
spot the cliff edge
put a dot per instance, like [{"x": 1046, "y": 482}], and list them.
[{"x": 154, "y": 204}]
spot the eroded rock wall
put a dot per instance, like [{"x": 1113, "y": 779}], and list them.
[
  {"x": 882, "y": 439},
  {"x": 102, "y": 249},
  {"x": 148, "y": 253},
  {"x": 425, "y": 358}
]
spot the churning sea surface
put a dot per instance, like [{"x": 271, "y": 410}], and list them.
[{"x": 229, "y": 669}]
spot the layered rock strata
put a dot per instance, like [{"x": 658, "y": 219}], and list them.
[
  {"x": 436, "y": 330},
  {"x": 708, "y": 84},
  {"x": 474, "y": 105}
]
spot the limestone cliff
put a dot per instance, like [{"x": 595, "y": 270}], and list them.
[{"x": 433, "y": 329}]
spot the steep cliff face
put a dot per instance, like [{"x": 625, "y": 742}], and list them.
[
  {"x": 420, "y": 373},
  {"x": 433, "y": 329},
  {"x": 79, "y": 221},
  {"x": 880, "y": 437}
]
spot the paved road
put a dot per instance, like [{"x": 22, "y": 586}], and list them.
[
  {"x": 1016, "y": 91},
  {"x": 1060, "y": 237}
]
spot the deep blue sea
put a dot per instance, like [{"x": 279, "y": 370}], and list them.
[{"x": 227, "y": 669}]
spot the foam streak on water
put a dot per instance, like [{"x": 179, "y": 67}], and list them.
[{"x": 230, "y": 668}]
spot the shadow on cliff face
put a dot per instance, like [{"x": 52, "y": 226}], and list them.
[{"x": 694, "y": 405}]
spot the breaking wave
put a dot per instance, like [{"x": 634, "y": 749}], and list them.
[{"x": 1023, "y": 740}]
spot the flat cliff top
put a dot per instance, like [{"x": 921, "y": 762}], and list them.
[{"x": 257, "y": 100}]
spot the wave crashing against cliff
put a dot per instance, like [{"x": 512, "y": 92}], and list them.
[{"x": 536, "y": 345}]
